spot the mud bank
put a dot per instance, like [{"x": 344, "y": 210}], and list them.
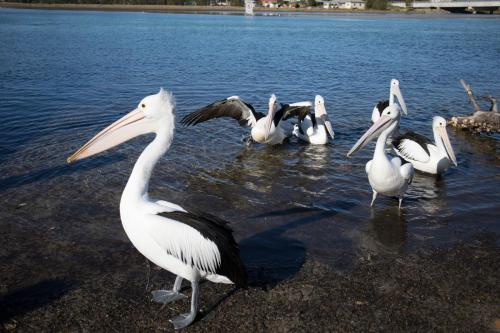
[{"x": 50, "y": 285}]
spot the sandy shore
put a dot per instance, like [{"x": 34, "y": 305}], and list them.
[
  {"x": 190, "y": 9},
  {"x": 51, "y": 285}
]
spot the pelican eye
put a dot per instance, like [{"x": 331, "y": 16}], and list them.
[{"x": 143, "y": 105}]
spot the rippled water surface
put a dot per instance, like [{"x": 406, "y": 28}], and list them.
[{"x": 64, "y": 75}]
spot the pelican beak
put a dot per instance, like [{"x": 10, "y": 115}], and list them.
[
  {"x": 399, "y": 96},
  {"x": 129, "y": 126},
  {"x": 372, "y": 133},
  {"x": 447, "y": 145},
  {"x": 328, "y": 125}
]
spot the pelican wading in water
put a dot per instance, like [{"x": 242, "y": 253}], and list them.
[
  {"x": 425, "y": 155},
  {"x": 312, "y": 127},
  {"x": 269, "y": 129},
  {"x": 387, "y": 176},
  {"x": 192, "y": 246}
]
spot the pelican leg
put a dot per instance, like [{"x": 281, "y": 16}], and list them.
[
  {"x": 373, "y": 198},
  {"x": 400, "y": 202},
  {"x": 167, "y": 296},
  {"x": 186, "y": 319}
]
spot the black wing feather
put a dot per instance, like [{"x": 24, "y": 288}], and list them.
[
  {"x": 233, "y": 108},
  {"x": 218, "y": 231},
  {"x": 420, "y": 139},
  {"x": 382, "y": 105},
  {"x": 300, "y": 111},
  {"x": 256, "y": 114}
]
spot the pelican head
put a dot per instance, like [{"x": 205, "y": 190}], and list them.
[
  {"x": 320, "y": 112},
  {"x": 319, "y": 106},
  {"x": 270, "y": 115},
  {"x": 152, "y": 113},
  {"x": 439, "y": 128},
  {"x": 388, "y": 120},
  {"x": 396, "y": 92}
]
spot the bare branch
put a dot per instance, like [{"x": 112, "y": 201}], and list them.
[
  {"x": 472, "y": 99},
  {"x": 480, "y": 121}
]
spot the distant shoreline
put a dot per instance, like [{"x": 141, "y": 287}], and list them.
[{"x": 193, "y": 9}]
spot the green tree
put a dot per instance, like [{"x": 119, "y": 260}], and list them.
[{"x": 376, "y": 4}]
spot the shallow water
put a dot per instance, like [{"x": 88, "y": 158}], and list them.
[{"x": 65, "y": 75}]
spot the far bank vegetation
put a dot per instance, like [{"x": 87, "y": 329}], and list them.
[{"x": 369, "y": 4}]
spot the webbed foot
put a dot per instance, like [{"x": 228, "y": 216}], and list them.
[
  {"x": 166, "y": 296},
  {"x": 183, "y": 320}
]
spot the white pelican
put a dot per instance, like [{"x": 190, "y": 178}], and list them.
[
  {"x": 191, "y": 245},
  {"x": 268, "y": 129},
  {"x": 393, "y": 92},
  {"x": 425, "y": 155},
  {"x": 312, "y": 128},
  {"x": 386, "y": 176}
]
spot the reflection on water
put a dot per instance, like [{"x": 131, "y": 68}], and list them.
[
  {"x": 65, "y": 75},
  {"x": 386, "y": 231},
  {"x": 430, "y": 191}
]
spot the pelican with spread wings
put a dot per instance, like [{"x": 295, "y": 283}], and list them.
[{"x": 269, "y": 129}]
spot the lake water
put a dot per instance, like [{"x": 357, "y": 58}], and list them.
[{"x": 64, "y": 75}]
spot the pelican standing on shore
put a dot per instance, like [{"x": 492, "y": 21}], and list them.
[
  {"x": 425, "y": 155},
  {"x": 312, "y": 127},
  {"x": 192, "y": 246},
  {"x": 387, "y": 176},
  {"x": 269, "y": 129}
]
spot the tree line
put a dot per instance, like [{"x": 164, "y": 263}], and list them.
[
  {"x": 132, "y": 2},
  {"x": 369, "y": 4}
]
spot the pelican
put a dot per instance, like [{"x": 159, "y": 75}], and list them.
[
  {"x": 393, "y": 92},
  {"x": 191, "y": 245},
  {"x": 425, "y": 155},
  {"x": 268, "y": 129},
  {"x": 312, "y": 128},
  {"x": 387, "y": 176}
]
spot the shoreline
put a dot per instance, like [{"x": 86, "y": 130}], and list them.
[
  {"x": 201, "y": 9},
  {"x": 93, "y": 288}
]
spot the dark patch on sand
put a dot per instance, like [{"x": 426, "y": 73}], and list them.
[{"x": 436, "y": 289}]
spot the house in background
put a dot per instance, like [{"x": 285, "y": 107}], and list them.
[
  {"x": 353, "y": 4},
  {"x": 270, "y": 3},
  {"x": 343, "y": 4},
  {"x": 295, "y": 3}
]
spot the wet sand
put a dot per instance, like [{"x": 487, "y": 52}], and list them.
[{"x": 79, "y": 287}]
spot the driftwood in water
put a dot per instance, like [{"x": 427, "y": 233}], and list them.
[{"x": 479, "y": 121}]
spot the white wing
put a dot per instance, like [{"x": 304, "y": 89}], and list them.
[
  {"x": 304, "y": 103},
  {"x": 170, "y": 207},
  {"x": 411, "y": 150},
  {"x": 407, "y": 172},
  {"x": 183, "y": 242},
  {"x": 368, "y": 166}
]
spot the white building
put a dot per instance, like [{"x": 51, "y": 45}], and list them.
[
  {"x": 270, "y": 3},
  {"x": 353, "y": 4},
  {"x": 343, "y": 4}
]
